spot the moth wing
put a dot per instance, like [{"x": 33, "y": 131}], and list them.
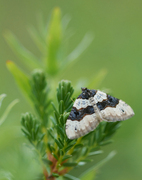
[
  {"x": 76, "y": 129},
  {"x": 120, "y": 112},
  {"x": 112, "y": 109},
  {"x": 81, "y": 120}
]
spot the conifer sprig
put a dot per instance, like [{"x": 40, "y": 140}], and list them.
[
  {"x": 45, "y": 128},
  {"x": 56, "y": 151},
  {"x": 39, "y": 95}
]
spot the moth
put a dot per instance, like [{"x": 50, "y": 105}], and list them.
[{"x": 92, "y": 107}]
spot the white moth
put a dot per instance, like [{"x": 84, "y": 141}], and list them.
[{"x": 90, "y": 108}]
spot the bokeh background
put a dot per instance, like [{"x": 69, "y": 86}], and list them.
[{"x": 117, "y": 47}]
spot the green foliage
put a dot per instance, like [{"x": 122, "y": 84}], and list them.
[
  {"x": 32, "y": 131},
  {"x": 55, "y": 150},
  {"x": 91, "y": 172},
  {"x": 39, "y": 95},
  {"x": 8, "y": 109},
  {"x": 53, "y": 59},
  {"x": 2, "y": 96},
  {"x": 45, "y": 128},
  {"x": 24, "y": 55},
  {"x": 31, "y": 127},
  {"x": 20, "y": 77},
  {"x": 54, "y": 39}
]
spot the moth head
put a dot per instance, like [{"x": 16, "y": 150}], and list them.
[
  {"x": 84, "y": 89},
  {"x": 86, "y": 92}
]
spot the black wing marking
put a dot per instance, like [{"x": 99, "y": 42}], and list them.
[
  {"x": 109, "y": 102},
  {"x": 79, "y": 114}
]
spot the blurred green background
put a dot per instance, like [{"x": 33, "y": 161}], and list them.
[{"x": 117, "y": 45}]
